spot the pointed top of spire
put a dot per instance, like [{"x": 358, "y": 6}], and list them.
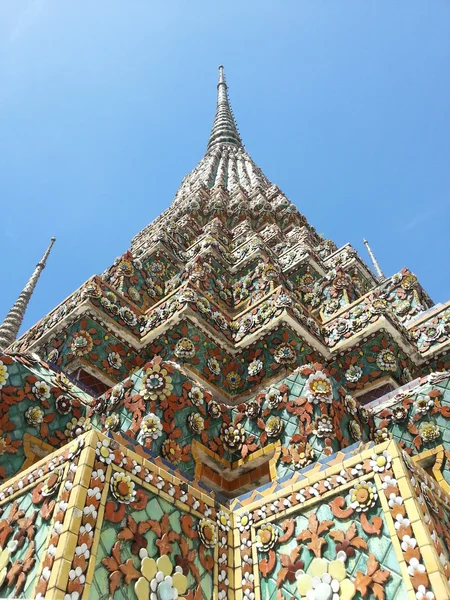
[
  {"x": 376, "y": 266},
  {"x": 13, "y": 320},
  {"x": 224, "y": 130}
]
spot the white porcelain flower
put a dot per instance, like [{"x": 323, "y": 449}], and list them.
[
  {"x": 381, "y": 462},
  {"x": 244, "y": 521},
  {"x": 3, "y": 374},
  {"x": 386, "y": 360},
  {"x": 156, "y": 383},
  {"x": 158, "y": 581},
  {"x": 41, "y": 390},
  {"x": 34, "y": 416},
  {"x": 318, "y": 388},
  {"x": 104, "y": 452},
  {"x": 114, "y": 360},
  {"x": 423, "y": 594},
  {"x": 151, "y": 426},
  {"x": 325, "y": 581},
  {"x": 255, "y": 367},
  {"x": 353, "y": 373}
]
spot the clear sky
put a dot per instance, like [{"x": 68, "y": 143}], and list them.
[{"x": 106, "y": 105}]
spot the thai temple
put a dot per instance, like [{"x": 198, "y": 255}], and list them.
[{"x": 235, "y": 409}]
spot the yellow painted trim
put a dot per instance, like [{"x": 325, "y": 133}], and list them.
[
  {"x": 393, "y": 534},
  {"x": 21, "y": 475},
  {"x": 30, "y": 455},
  {"x": 65, "y": 467},
  {"x": 97, "y": 534},
  {"x": 439, "y": 454},
  {"x": 198, "y": 446},
  {"x": 421, "y": 532}
]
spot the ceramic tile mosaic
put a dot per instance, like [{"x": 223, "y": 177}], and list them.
[{"x": 235, "y": 409}]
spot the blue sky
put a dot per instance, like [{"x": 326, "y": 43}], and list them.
[{"x": 106, "y": 105}]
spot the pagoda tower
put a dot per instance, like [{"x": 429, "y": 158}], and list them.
[{"x": 236, "y": 409}]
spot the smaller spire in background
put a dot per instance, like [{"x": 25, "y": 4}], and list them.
[
  {"x": 224, "y": 130},
  {"x": 376, "y": 266},
  {"x": 10, "y": 327}
]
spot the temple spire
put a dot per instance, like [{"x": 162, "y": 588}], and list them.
[
  {"x": 224, "y": 130},
  {"x": 376, "y": 266},
  {"x": 13, "y": 320}
]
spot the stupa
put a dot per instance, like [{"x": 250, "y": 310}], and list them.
[{"x": 235, "y": 409}]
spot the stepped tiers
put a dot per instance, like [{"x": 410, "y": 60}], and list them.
[{"x": 236, "y": 409}]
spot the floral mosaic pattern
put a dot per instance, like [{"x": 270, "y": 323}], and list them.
[
  {"x": 87, "y": 342},
  {"x": 325, "y": 552},
  {"x": 150, "y": 533},
  {"x": 24, "y": 526},
  {"x": 159, "y": 551},
  {"x": 36, "y": 404},
  {"x": 165, "y": 412},
  {"x": 418, "y": 416}
]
